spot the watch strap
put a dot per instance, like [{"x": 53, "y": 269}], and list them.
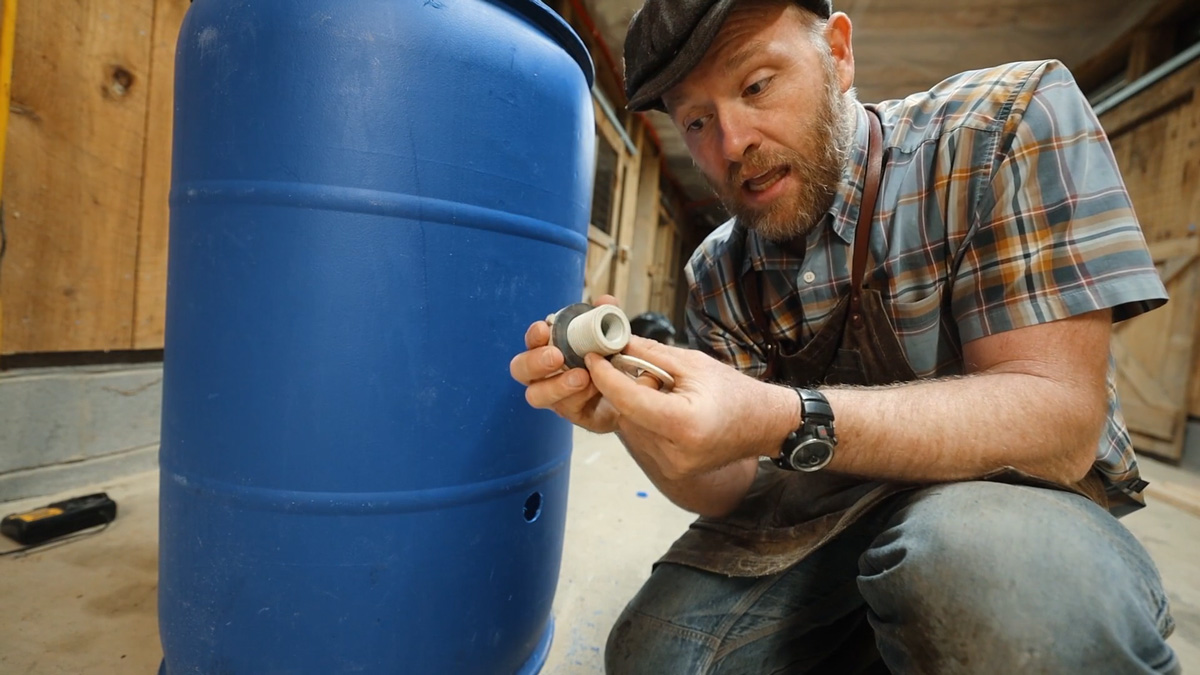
[
  {"x": 815, "y": 407},
  {"x": 817, "y": 423}
]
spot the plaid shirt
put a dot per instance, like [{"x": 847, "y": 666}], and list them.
[{"x": 1001, "y": 206}]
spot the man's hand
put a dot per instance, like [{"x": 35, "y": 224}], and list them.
[
  {"x": 570, "y": 394},
  {"x": 678, "y": 463},
  {"x": 715, "y": 415}
]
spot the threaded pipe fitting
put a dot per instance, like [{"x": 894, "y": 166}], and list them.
[
  {"x": 604, "y": 330},
  {"x": 581, "y": 329}
]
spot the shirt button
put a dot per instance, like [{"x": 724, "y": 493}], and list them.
[{"x": 809, "y": 277}]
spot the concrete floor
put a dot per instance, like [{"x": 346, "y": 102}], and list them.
[{"x": 89, "y": 606}]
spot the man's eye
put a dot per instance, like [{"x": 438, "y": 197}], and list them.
[
  {"x": 696, "y": 124},
  {"x": 758, "y": 87}
]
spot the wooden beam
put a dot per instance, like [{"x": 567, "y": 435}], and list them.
[
  {"x": 1149, "y": 47},
  {"x": 1176, "y": 494},
  {"x": 641, "y": 263},
  {"x": 1175, "y": 90},
  {"x": 1114, "y": 58},
  {"x": 627, "y": 223},
  {"x": 1162, "y": 251}
]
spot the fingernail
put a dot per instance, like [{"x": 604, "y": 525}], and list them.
[
  {"x": 548, "y": 358},
  {"x": 575, "y": 380}
]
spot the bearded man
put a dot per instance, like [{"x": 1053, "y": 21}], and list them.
[{"x": 900, "y": 430}]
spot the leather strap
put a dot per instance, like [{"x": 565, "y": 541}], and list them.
[
  {"x": 866, "y": 214},
  {"x": 751, "y": 287},
  {"x": 752, "y": 281}
]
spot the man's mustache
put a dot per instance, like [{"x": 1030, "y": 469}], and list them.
[{"x": 740, "y": 172}]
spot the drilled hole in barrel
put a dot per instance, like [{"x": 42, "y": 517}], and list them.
[{"x": 533, "y": 507}]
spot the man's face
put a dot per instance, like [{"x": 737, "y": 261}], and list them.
[{"x": 764, "y": 118}]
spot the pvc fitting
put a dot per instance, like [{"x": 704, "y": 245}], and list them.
[
  {"x": 582, "y": 329},
  {"x": 604, "y": 330}
]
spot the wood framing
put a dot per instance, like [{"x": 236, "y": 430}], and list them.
[
  {"x": 1154, "y": 136},
  {"x": 642, "y": 254},
  {"x": 1154, "y": 354}
]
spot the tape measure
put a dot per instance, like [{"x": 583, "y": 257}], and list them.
[{"x": 59, "y": 519}]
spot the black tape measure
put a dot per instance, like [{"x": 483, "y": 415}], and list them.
[{"x": 59, "y": 519}]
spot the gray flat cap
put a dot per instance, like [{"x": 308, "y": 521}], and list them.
[{"x": 667, "y": 38}]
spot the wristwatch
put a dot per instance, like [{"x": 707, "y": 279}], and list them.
[{"x": 810, "y": 448}]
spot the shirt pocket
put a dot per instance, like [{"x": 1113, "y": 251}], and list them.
[{"x": 928, "y": 341}]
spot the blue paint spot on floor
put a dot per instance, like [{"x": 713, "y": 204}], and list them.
[{"x": 643, "y": 495}]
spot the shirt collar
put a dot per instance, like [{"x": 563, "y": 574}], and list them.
[{"x": 842, "y": 217}]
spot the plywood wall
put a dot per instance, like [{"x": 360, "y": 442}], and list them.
[
  {"x": 87, "y": 173},
  {"x": 1156, "y": 138},
  {"x": 73, "y": 173}
]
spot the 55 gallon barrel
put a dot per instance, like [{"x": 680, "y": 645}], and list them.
[{"x": 371, "y": 200}]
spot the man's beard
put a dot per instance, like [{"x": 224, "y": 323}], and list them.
[{"x": 796, "y": 213}]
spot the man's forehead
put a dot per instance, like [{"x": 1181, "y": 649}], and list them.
[
  {"x": 737, "y": 57},
  {"x": 727, "y": 61},
  {"x": 743, "y": 38}
]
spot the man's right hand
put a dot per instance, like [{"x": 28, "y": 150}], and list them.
[{"x": 570, "y": 394}]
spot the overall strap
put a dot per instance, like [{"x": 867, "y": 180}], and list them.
[
  {"x": 866, "y": 214},
  {"x": 752, "y": 289},
  {"x": 752, "y": 280}
]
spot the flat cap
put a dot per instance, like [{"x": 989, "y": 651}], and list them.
[{"x": 667, "y": 38}]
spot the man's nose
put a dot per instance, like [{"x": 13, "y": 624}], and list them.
[{"x": 738, "y": 135}]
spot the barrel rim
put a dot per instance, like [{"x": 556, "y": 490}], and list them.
[{"x": 556, "y": 27}]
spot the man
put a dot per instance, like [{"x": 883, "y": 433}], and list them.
[{"x": 937, "y": 277}]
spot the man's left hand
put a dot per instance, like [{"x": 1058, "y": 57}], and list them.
[{"x": 713, "y": 417}]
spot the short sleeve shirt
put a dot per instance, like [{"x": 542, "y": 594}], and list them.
[{"x": 1001, "y": 207}]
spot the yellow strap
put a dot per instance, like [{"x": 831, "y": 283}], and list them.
[{"x": 8, "y": 34}]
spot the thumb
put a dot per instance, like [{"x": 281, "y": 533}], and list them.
[{"x": 629, "y": 398}]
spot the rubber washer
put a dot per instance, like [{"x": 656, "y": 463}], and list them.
[{"x": 558, "y": 333}]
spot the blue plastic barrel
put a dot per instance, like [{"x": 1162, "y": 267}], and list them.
[{"x": 371, "y": 200}]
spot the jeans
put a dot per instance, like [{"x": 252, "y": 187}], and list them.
[{"x": 968, "y": 577}]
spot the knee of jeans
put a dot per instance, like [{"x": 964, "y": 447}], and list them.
[
  {"x": 970, "y": 547},
  {"x": 642, "y": 644},
  {"x": 663, "y": 628},
  {"x": 1004, "y": 554},
  {"x": 983, "y": 573}
]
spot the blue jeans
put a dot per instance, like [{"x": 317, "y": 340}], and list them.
[{"x": 958, "y": 578}]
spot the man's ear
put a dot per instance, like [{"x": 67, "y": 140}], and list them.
[{"x": 839, "y": 33}]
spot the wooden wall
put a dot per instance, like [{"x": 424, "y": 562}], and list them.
[
  {"x": 86, "y": 175},
  {"x": 637, "y": 297},
  {"x": 1156, "y": 138},
  {"x": 639, "y": 257}
]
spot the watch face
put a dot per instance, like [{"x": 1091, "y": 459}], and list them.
[{"x": 812, "y": 455}]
